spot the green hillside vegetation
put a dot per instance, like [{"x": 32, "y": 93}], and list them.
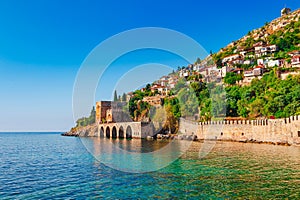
[
  {"x": 287, "y": 39},
  {"x": 139, "y": 109},
  {"x": 267, "y": 97},
  {"x": 85, "y": 121}
]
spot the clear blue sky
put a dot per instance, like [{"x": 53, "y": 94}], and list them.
[{"x": 43, "y": 43}]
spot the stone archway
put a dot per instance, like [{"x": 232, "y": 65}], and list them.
[
  {"x": 128, "y": 132},
  {"x": 107, "y": 132},
  {"x": 101, "y": 131},
  {"x": 114, "y": 132},
  {"x": 121, "y": 132}
]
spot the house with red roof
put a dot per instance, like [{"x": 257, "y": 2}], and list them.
[{"x": 295, "y": 61}]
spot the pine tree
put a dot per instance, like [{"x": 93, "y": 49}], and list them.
[
  {"x": 198, "y": 61},
  {"x": 115, "y": 96},
  {"x": 124, "y": 97}
]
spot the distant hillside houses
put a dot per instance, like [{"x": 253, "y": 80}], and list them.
[
  {"x": 250, "y": 57},
  {"x": 154, "y": 100},
  {"x": 260, "y": 63}
]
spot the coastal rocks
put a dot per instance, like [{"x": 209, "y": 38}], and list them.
[
  {"x": 186, "y": 137},
  {"x": 149, "y": 137},
  {"x": 161, "y": 136},
  {"x": 71, "y": 134},
  {"x": 87, "y": 131},
  {"x": 284, "y": 143}
]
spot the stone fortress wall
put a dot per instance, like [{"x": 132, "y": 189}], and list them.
[{"x": 277, "y": 131}]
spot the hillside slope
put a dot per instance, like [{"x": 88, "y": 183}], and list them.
[{"x": 284, "y": 32}]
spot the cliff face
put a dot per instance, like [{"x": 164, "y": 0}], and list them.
[{"x": 84, "y": 131}]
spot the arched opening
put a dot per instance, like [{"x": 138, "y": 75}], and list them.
[
  {"x": 107, "y": 132},
  {"x": 114, "y": 132},
  {"x": 128, "y": 132},
  {"x": 101, "y": 131},
  {"x": 121, "y": 132}
]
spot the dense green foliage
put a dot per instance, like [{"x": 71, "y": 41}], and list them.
[
  {"x": 287, "y": 39},
  {"x": 137, "y": 107},
  {"x": 267, "y": 97},
  {"x": 232, "y": 78},
  {"x": 85, "y": 121}
]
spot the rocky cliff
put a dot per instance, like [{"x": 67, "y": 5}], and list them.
[{"x": 84, "y": 131}]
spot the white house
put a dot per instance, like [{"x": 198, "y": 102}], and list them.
[
  {"x": 230, "y": 58},
  {"x": 248, "y": 62},
  {"x": 294, "y": 53},
  {"x": 263, "y": 61},
  {"x": 265, "y": 50},
  {"x": 238, "y": 61},
  {"x": 172, "y": 84},
  {"x": 258, "y": 51},
  {"x": 163, "y": 90},
  {"x": 197, "y": 67},
  {"x": 272, "y": 48},
  {"x": 184, "y": 73},
  {"x": 248, "y": 73},
  {"x": 273, "y": 63},
  {"x": 243, "y": 53},
  {"x": 164, "y": 83},
  {"x": 295, "y": 61},
  {"x": 164, "y": 78},
  {"x": 225, "y": 70},
  {"x": 257, "y": 71},
  {"x": 204, "y": 72}
]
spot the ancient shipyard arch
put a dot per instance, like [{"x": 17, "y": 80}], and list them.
[
  {"x": 114, "y": 123},
  {"x": 120, "y": 130}
]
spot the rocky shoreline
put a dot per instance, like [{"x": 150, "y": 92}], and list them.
[{"x": 82, "y": 131}]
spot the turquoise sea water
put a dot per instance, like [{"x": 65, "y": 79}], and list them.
[{"x": 49, "y": 166}]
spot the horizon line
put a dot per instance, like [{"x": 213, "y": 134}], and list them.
[{"x": 32, "y": 131}]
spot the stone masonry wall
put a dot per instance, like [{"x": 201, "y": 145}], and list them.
[{"x": 285, "y": 131}]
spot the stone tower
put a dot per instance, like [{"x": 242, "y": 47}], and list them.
[
  {"x": 101, "y": 110},
  {"x": 285, "y": 11}
]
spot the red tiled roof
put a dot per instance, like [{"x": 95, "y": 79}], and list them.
[
  {"x": 232, "y": 55},
  {"x": 295, "y": 51},
  {"x": 259, "y": 66},
  {"x": 237, "y": 69}
]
